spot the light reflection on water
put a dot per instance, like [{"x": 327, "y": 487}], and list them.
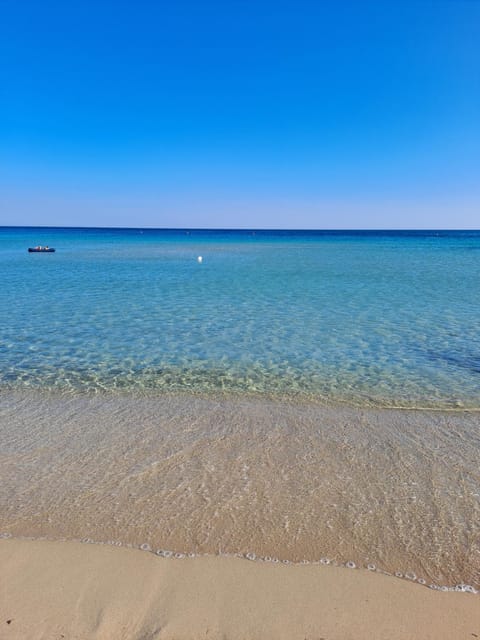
[{"x": 389, "y": 320}]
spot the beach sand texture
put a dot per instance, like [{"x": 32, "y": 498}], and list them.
[
  {"x": 66, "y": 590},
  {"x": 398, "y": 489}
]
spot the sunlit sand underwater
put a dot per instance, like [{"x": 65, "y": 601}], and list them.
[
  {"x": 384, "y": 319},
  {"x": 295, "y": 397}
]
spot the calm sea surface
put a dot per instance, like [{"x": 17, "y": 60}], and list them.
[
  {"x": 297, "y": 396},
  {"x": 367, "y": 318}
]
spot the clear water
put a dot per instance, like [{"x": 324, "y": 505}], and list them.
[
  {"x": 399, "y": 489},
  {"x": 240, "y": 405},
  {"x": 366, "y": 318}
]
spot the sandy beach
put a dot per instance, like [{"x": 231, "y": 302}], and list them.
[
  {"x": 398, "y": 489},
  {"x": 214, "y": 479},
  {"x": 240, "y": 320},
  {"x": 81, "y": 591}
]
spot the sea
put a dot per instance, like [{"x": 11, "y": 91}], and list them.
[{"x": 295, "y": 396}]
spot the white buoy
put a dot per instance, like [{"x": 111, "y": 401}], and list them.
[{"x": 199, "y": 259}]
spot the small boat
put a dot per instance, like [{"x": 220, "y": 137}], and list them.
[{"x": 41, "y": 250}]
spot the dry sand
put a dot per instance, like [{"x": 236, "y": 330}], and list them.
[{"x": 68, "y": 590}]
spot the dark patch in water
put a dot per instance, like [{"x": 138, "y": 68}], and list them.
[{"x": 470, "y": 363}]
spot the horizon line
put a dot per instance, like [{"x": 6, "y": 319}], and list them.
[{"x": 260, "y": 229}]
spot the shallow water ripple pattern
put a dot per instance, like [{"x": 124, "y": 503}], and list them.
[
  {"x": 392, "y": 490},
  {"x": 386, "y": 319}
]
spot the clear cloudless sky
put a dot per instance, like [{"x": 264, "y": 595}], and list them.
[{"x": 266, "y": 113}]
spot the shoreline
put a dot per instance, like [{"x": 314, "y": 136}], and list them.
[
  {"x": 294, "y": 399},
  {"x": 299, "y": 482},
  {"x": 70, "y": 590},
  {"x": 173, "y": 555}
]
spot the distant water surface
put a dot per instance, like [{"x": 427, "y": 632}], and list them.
[{"x": 363, "y": 318}]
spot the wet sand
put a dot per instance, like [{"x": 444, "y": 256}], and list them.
[
  {"x": 397, "y": 489},
  {"x": 74, "y": 591}
]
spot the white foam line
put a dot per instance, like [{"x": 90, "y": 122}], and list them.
[{"x": 252, "y": 557}]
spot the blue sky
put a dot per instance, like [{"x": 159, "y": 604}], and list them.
[{"x": 240, "y": 114}]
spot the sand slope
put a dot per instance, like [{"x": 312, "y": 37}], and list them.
[{"x": 67, "y": 590}]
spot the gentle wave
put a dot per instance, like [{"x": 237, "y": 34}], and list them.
[
  {"x": 181, "y": 555},
  {"x": 256, "y": 381},
  {"x": 398, "y": 489}
]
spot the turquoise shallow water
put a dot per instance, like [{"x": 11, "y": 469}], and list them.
[
  {"x": 177, "y": 417},
  {"x": 381, "y": 318}
]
